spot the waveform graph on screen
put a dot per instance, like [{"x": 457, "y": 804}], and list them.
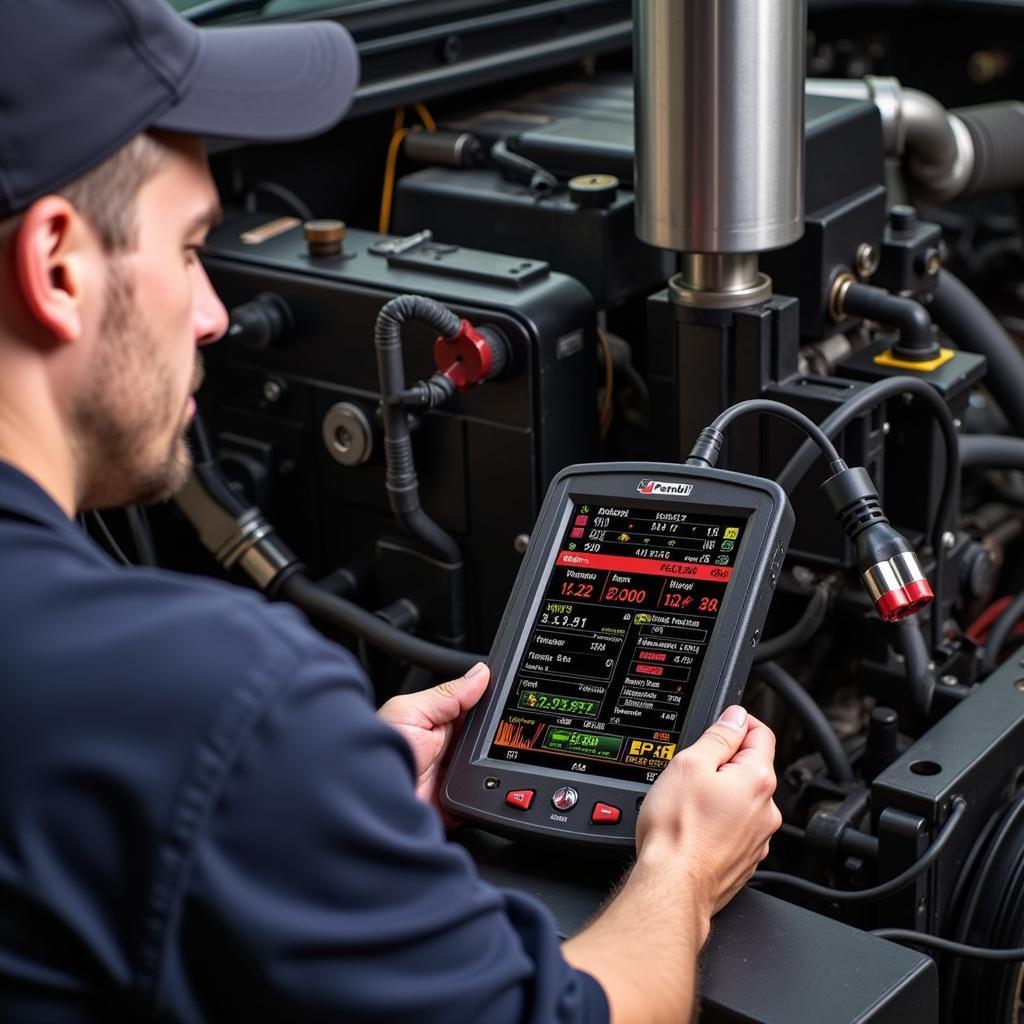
[{"x": 518, "y": 735}]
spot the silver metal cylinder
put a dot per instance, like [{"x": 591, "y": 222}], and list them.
[{"x": 719, "y": 123}]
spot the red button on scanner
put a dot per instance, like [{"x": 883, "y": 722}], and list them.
[
  {"x": 520, "y": 799},
  {"x": 605, "y": 814}
]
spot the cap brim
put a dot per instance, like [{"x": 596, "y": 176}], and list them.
[{"x": 267, "y": 83}]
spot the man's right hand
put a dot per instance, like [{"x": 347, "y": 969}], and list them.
[
  {"x": 703, "y": 828},
  {"x": 713, "y": 807}
]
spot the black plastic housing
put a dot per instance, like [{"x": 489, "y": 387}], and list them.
[{"x": 483, "y": 460}]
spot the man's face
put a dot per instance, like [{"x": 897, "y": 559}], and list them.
[{"x": 135, "y": 403}]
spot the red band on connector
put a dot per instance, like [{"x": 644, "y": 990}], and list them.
[
  {"x": 919, "y": 593},
  {"x": 903, "y": 601},
  {"x": 466, "y": 358},
  {"x": 893, "y": 605}
]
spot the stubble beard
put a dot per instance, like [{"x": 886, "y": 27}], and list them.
[{"x": 121, "y": 415}]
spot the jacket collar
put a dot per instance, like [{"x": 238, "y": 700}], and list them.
[{"x": 22, "y": 496}]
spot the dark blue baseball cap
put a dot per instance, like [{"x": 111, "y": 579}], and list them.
[{"x": 80, "y": 78}]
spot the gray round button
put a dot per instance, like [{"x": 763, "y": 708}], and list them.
[{"x": 565, "y": 798}]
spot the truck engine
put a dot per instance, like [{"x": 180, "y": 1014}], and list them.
[{"x": 631, "y": 218}]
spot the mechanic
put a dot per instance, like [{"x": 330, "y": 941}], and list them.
[{"x": 201, "y": 816}]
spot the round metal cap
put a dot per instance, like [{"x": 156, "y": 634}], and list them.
[
  {"x": 593, "y": 189},
  {"x": 324, "y": 237},
  {"x": 348, "y": 434}
]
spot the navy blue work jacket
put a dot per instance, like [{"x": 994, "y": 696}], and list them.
[{"x": 202, "y": 818}]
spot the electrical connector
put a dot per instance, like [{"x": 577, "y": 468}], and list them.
[
  {"x": 472, "y": 355},
  {"x": 889, "y": 566}
]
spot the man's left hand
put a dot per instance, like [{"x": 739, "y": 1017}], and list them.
[{"x": 430, "y": 720}]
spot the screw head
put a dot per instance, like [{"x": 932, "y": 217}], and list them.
[
  {"x": 948, "y": 540},
  {"x": 866, "y": 261},
  {"x": 272, "y": 391},
  {"x": 521, "y": 543}
]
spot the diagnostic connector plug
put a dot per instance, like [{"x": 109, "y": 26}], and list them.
[
  {"x": 472, "y": 355},
  {"x": 889, "y": 566}
]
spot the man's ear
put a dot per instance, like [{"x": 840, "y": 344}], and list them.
[{"x": 51, "y": 249}]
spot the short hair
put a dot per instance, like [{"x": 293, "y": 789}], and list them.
[{"x": 105, "y": 196}]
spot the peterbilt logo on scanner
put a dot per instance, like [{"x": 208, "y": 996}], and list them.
[{"x": 663, "y": 487}]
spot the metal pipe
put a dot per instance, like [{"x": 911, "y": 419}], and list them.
[
  {"x": 719, "y": 123},
  {"x": 936, "y": 144}
]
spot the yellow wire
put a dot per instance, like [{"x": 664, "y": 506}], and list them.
[
  {"x": 398, "y": 134},
  {"x": 388, "y": 194},
  {"x": 428, "y": 122}
]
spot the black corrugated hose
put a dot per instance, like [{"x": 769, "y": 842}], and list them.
[{"x": 402, "y": 484}]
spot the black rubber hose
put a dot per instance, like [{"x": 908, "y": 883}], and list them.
[
  {"x": 920, "y": 674},
  {"x": 327, "y": 607},
  {"x": 811, "y": 717},
  {"x": 863, "y": 402},
  {"x": 400, "y": 471},
  {"x": 997, "y": 131},
  {"x": 909, "y": 316},
  {"x": 876, "y": 892},
  {"x": 963, "y": 316},
  {"x": 991, "y": 451},
  {"x": 910, "y": 938},
  {"x": 799, "y": 633},
  {"x": 1001, "y": 629}
]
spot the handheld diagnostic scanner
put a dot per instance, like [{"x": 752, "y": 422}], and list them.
[{"x": 631, "y": 627}]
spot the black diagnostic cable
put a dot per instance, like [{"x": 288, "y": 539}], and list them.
[
  {"x": 890, "y": 570},
  {"x": 811, "y": 717},
  {"x": 875, "y": 892},
  {"x": 709, "y": 442},
  {"x": 907, "y": 937},
  {"x": 863, "y": 402}
]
